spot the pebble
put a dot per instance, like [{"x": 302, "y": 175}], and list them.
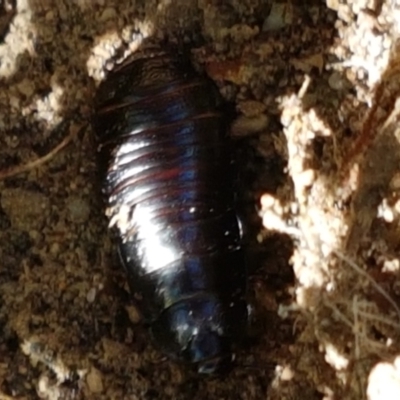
[
  {"x": 25, "y": 208},
  {"x": 279, "y": 17},
  {"x": 26, "y": 87},
  {"x": 251, "y": 108},
  {"x": 91, "y": 295},
  {"x": 133, "y": 313},
  {"x": 333, "y": 4},
  {"x": 94, "y": 381},
  {"x": 337, "y": 82},
  {"x": 246, "y": 126},
  {"x": 384, "y": 381},
  {"x": 78, "y": 208},
  {"x": 55, "y": 249},
  {"x": 108, "y": 13}
]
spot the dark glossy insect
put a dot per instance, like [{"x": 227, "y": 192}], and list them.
[{"x": 168, "y": 183}]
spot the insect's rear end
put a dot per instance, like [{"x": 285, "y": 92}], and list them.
[{"x": 170, "y": 196}]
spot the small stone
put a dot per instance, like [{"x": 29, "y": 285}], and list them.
[
  {"x": 267, "y": 201},
  {"x": 94, "y": 381},
  {"x": 287, "y": 373},
  {"x": 50, "y": 15},
  {"x": 24, "y": 208},
  {"x": 251, "y": 108},
  {"x": 384, "y": 381},
  {"x": 108, "y": 13},
  {"x": 133, "y": 313},
  {"x": 279, "y": 17},
  {"x": 91, "y": 295},
  {"x": 246, "y": 126},
  {"x": 78, "y": 208},
  {"x": 35, "y": 235},
  {"x": 26, "y": 87},
  {"x": 55, "y": 249},
  {"x": 333, "y": 4}
]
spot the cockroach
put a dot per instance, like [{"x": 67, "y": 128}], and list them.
[{"x": 169, "y": 176}]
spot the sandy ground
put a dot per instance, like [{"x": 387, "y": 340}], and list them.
[{"x": 315, "y": 85}]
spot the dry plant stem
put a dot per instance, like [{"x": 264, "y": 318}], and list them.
[
  {"x": 375, "y": 317},
  {"x": 356, "y": 328},
  {"x": 339, "y": 314},
  {"x": 369, "y": 130},
  {"x": 359, "y": 314},
  {"x": 358, "y": 334},
  {"x": 366, "y": 134},
  {"x": 297, "y": 232},
  {"x": 7, "y": 173},
  {"x": 370, "y": 279}
]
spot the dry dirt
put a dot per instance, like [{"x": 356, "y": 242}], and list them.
[{"x": 315, "y": 86}]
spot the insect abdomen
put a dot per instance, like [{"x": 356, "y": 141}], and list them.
[{"x": 170, "y": 196}]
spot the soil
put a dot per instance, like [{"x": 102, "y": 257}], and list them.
[{"x": 315, "y": 87}]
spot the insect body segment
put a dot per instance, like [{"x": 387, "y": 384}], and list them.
[{"x": 168, "y": 184}]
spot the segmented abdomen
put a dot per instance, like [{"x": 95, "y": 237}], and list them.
[{"x": 169, "y": 186}]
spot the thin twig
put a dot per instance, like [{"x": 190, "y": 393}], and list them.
[
  {"x": 378, "y": 318},
  {"x": 356, "y": 328},
  {"x": 19, "y": 169},
  {"x": 375, "y": 284},
  {"x": 339, "y": 314}
]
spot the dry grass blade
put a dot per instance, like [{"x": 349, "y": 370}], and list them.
[
  {"x": 8, "y": 173},
  {"x": 370, "y": 279}
]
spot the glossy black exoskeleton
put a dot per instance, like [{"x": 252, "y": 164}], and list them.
[{"x": 169, "y": 188}]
